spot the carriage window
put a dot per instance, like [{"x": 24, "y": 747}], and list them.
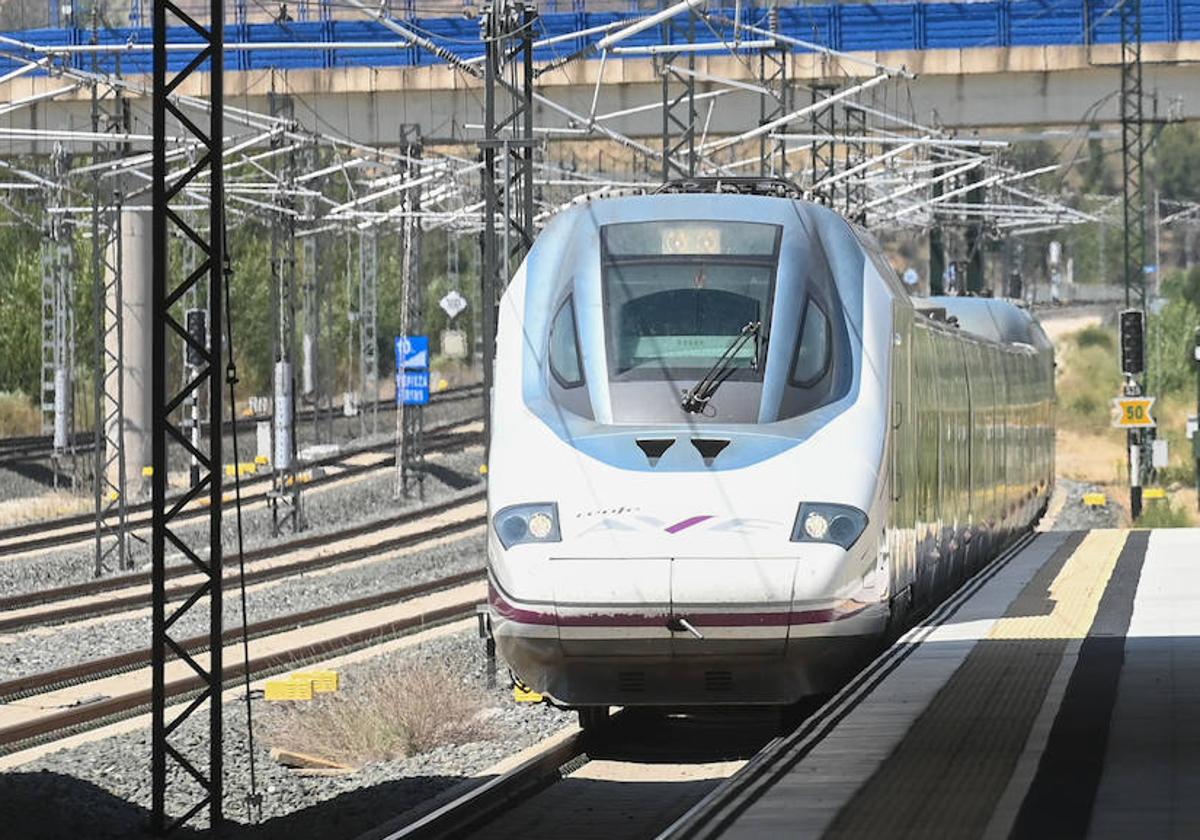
[
  {"x": 812, "y": 350},
  {"x": 564, "y": 348}
]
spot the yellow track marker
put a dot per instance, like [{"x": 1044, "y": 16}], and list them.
[
  {"x": 288, "y": 689},
  {"x": 1095, "y": 499},
  {"x": 1154, "y": 493},
  {"x": 322, "y": 681}
]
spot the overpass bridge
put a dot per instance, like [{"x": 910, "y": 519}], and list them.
[{"x": 995, "y": 64}]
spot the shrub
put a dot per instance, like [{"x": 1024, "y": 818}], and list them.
[
  {"x": 1095, "y": 336},
  {"x": 18, "y": 415},
  {"x": 409, "y": 710},
  {"x": 1163, "y": 514}
]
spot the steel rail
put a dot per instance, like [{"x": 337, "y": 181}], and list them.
[
  {"x": 26, "y": 447},
  {"x": 717, "y": 810},
  {"x": 12, "y": 542},
  {"x": 121, "y": 603},
  {"x": 77, "y": 719},
  {"x": 483, "y": 803},
  {"x": 27, "y": 686}
]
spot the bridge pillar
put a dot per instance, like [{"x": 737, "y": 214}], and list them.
[{"x": 131, "y": 257}]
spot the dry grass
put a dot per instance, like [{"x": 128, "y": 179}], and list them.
[
  {"x": 1090, "y": 457},
  {"x": 1090, "y": 450},
  {"x": 46, "y": 506},
  {"x": 18, "y": 416},
  {"x": 411, "y": 710}
]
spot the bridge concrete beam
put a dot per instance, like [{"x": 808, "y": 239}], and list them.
[{"x": 983, "y": 87}]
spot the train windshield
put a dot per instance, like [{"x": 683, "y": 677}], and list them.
[{"x": 676, "y": 294}]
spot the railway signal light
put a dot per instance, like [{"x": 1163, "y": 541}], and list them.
[
  {"x": 196, "y": 321},
  {"x": 1133, "y": 328}
]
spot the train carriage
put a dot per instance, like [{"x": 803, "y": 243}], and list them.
[{"x": 730, "y": 454}]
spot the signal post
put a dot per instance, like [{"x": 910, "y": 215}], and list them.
[{"x": 1133, "y": 409}]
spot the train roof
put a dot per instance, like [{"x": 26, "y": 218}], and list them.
[{"x": 991, "y": 318}]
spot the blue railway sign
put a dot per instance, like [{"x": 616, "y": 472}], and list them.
[{"x": 412, "y": 370}]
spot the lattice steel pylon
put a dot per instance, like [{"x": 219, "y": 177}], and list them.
[
  {"x": 109, "y": 477},
  {"x": 410, "y": 458},
  {"x": 507, "y": 147},
  {"x": 1133, "y": 150},
  {"x": 171, "y": 762},
  {"x": 855, "y": 190},
  {"x": 823, "y": 150},
  {"x": 312, "y": 385},
  {"x": 774, "y": 102},
  {"x": 1133, "y": 154},
  {"x": 678, "y": 107},
  {"x": 58, "y": 320},
  {"x": 975, "y": 235},
  {"x": 284, "y": 496},
  {"x": 368, "y": 330}
]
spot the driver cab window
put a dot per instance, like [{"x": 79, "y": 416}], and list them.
[
  {"x": 812, "y": 350},
  {"x": 564, "y": 348}
]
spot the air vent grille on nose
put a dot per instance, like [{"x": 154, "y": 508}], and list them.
[
  {"x": 654, "y": 448},
  {"x": 718, "y": 680},
  {"x": 709, "y": 448},
  {"x": 632, "y": 681}
]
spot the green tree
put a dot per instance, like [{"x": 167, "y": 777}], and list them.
[
  {"x": 1176, "y": 165},
  {"x": 20, "y": 301}
]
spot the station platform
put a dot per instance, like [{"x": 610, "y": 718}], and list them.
[{"x": 1056, "y": 695}]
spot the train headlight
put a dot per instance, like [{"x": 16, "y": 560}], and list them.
[
  {"x": 532, "y": 523},
  {"x": 816, "y": 525},
  {"x": 838, "y": 524}
]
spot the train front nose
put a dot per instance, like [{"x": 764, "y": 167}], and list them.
[{"x": 687, "y": 629}]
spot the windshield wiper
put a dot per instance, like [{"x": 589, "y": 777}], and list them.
[{"x": 696, "y": 398}]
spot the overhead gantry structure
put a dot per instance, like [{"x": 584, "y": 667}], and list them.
[{"x": 528, "y": 151}]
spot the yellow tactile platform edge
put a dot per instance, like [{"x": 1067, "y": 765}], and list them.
[{"x": 1075, "y": 592}]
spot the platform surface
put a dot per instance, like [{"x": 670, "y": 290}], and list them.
[{"x": 1060, "y": 699}]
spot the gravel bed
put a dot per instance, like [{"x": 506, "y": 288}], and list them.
[
  {"x": 29, "y": 653},
  {"x": 107, "y": 785},
  {"x": 33, "y": 478},
  {"x": 1075, "y": 515},
  {"x": 325, "y": 511},
  {"x": 18, "y": 481}
]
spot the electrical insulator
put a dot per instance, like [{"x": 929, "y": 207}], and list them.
[{"x": 1132, "y": 342}]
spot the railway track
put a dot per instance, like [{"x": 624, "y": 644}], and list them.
[
  {"x": 38, "y": 536},
  {"x": 647, "y": 775},
  {"x": 25, "y": 448},
  {"x": 120, "y": 593},
  {"x": 51, "y": 705},
  {"x": 632, "y": 778}
]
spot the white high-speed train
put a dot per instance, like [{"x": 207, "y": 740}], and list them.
[{"x": 730, "y": 454}]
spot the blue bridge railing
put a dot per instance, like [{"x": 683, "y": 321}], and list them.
[{"x": 849, "y": 26}]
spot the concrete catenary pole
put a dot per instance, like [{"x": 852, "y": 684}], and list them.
[{"x": 135, "y": 420}]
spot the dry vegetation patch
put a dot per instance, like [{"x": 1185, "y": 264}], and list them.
[
  {"x": 18, "y": 416},
  {"x": 1090, "y": 450},
  {"x": 50, "y": 505},
  {"x": 412, "y": 709}
]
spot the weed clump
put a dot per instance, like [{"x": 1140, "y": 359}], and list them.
[
  {"x": 18, "y": 415},
  {"x": 1163, "y": 514},
  {"x": 1095, "y": 336},
  {"x": 410, "y": 710}
]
